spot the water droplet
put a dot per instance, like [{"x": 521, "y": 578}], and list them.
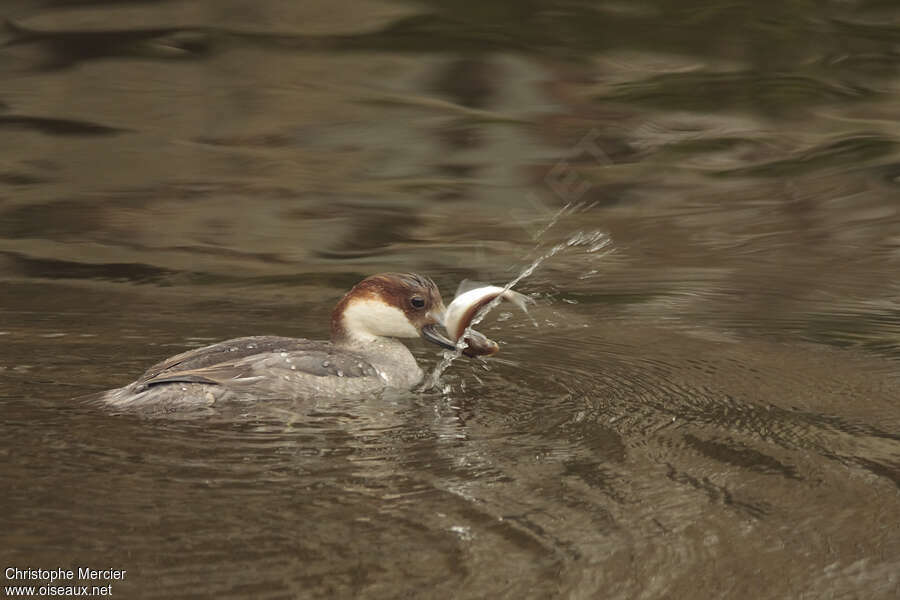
[
  {"x": 283, "y": 354},
  {"x": 340, "y": 373},
  {"x": 293, "y": 367},
  {"x": 232, "y": 349},
  {"x": 325, "y": 363},
  {"x": 464, "y": 533}
]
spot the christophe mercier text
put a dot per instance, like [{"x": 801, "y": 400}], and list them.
[{"x": 65, "y": 575}]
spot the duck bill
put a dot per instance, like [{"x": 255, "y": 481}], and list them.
[
  {"x": 477, "y": 344},
  {"x": 430, "y": 333}
]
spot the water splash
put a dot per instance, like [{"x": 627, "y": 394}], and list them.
[{"x": 594, "y": 241}]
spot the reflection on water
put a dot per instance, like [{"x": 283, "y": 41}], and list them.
[{"x": 709, "y": 405}]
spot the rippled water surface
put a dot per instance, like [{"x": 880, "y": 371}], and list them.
[{"x": 708, "y": 407}]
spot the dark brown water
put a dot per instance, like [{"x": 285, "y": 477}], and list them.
[{"x": 711, "y": 409}]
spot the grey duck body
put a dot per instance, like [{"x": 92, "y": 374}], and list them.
[{"x": 268, "y": 367}]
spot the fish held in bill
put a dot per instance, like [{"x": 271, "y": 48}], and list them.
[{"x": 471, "y": 298}]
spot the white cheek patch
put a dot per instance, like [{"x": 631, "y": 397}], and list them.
[{"x": 372, "y": 318}]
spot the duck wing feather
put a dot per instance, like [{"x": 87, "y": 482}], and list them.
[{"x": 243, "y": 359}]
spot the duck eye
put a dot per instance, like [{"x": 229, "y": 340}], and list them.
[{"x": 417, "y": 302}]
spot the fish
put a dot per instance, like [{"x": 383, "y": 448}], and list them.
[{"x": 471, "y": 298}]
